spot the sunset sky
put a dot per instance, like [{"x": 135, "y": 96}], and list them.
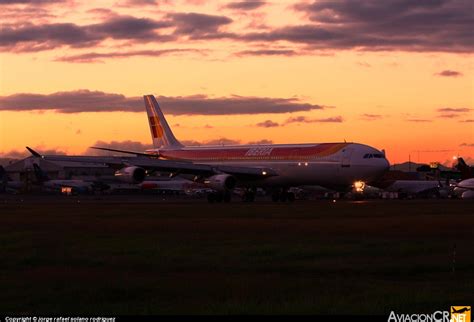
[{"x": 397, "y": 75}]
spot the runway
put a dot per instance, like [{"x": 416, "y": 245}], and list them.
[{"x": 145, "y": 255}]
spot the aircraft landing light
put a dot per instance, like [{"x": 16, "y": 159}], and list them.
[{"x": 359, "y": 186}]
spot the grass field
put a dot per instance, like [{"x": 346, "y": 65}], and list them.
[{"x": 108, "y": 257}]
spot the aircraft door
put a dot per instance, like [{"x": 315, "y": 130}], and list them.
[{"x": 346, "y": 158}]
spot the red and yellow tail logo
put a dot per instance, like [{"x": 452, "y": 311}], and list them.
[
  {"x": 460, "y": 314},
  {"x": 156, "y": 129}
]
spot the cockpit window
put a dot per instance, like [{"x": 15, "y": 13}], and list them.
[{"x": 373, "y": 155}]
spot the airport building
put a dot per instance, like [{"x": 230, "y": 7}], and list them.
[{"x": 23, "y": 169}]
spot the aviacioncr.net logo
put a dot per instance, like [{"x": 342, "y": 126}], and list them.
[{"x": 437, "y": 316}]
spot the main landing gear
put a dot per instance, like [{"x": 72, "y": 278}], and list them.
[
  {"x": 249, "y": 195},
  {"x": 219, "y": 196},
  {"x": 225, "y": 196},
  {"x": 283, "y": 195}
]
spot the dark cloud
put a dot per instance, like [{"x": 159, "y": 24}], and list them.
[
  {"x": 226, "y": 141},
  {"x": 198, "y": 25},
  {"x": 12, "y": 14},
  {"x": 449, "y": 73},
  {"x": 190, "y": 143},
  {"x": 268, "y": 123},
  {"x": 245, "y": 5},
  {"x": 23, "y": 37},
  {"x": 30, "y": 2},
  {"x": 121, "y": 145},
  {"x": 31, "y": 37},
  {"x": 304, "y": 119},
  {"x": 419, "y": 120},
  {"x": 301, "y": 119},
  {"x": 222, "y": 141},
  {"x": 449, "y": 116},
  {"x": 469, "y": 145},
  {"x": 266, "y": 52},
  {"x": 70, "y": 102},
  {"x": 15, "y": 154},
  {"x": 467, "y": 121},
  {"x": 364, "y": 64},
  {"x": 96, "y": 101},
  {"x": 42, "y": 37},
  {"x": 371, "y": 117},
  {"x": 454, "y": 110},
  {"x": 261, "y": 142},
  {"x": 303, "y": 34},
  {"x": 439, "y": 25},
  {"x": 370, "y": 25},
  {"x": 201, "y": 104},
  {"x": 434, "y": 151},
  {"x": 128, "y": 27},
  {"x": 139, "y": 3},
  {"x": 99, "y": 57}
]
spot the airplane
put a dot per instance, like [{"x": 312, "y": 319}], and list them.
[
  {"x": 275, "y": 167},
  {"x": 174, "y": 185},
  {"x": 464, "y": 188},
  {"x": 462, "y": 310},
  {"x": 71, "y": 186},
  {"x": 466, "y": 171},
  {"x": 415, "y": 187},
  {"x": 178, "y": 186},
  {"x": 7, "y": 184}
]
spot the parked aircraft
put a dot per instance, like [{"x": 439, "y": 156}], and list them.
[
  {"x": 66, "y": 186},
  {"x": 466, "y": 171},
  {"x": 428, "y": 188},
  {"x": 176, "y": 185},
  {"x": 276, "y": 167},
  {"x": 7, "y": 184},
  {"x": 466, "y": 188}
]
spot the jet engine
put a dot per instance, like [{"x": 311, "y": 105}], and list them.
[
  {"x": 131, "y": 174},
  {"x": 221, "y": 182},
  {"x": 469, "y": 194}
]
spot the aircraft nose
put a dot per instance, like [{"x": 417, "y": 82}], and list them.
[
  {"x": 385, "y": 165},
  {"x": 382, "y": 166}
]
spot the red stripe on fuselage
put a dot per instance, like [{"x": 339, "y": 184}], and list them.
[{"x": 254, "y": 153}]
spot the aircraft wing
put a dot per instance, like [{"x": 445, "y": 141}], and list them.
[
  {"x": 180, "y": 167},
  {"x": 124, "y": 151}
]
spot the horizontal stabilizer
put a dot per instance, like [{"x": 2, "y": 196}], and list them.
[{"x": 33, "y": 152}]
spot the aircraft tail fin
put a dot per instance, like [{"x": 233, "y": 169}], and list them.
[
  {"x": 161, "y": 133},
  {"x": 40, "y": 175},
  {"x": 466, "y": 171}
]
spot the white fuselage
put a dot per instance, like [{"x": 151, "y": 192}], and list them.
[
  {"x": 465, "y": 189},
  {"x": 327, "y": 164},
  {"x": 413, "y": 186}
]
